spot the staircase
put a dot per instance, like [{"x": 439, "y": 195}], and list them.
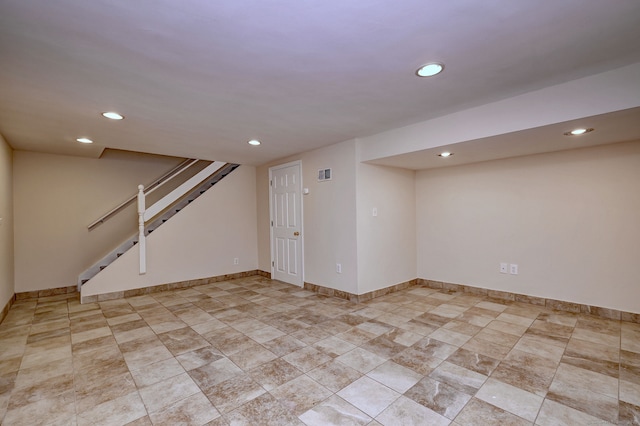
[{"x": 164, "y": 216}]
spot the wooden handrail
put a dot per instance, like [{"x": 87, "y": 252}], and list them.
[{"x": 149, "y": 188}]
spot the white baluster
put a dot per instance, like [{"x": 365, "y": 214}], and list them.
[{"x": 142, "y": 244}]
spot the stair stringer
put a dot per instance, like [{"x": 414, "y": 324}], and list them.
[{"x": 163, "y": 217}]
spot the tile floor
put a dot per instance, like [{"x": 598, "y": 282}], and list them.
[{"x": 256, "y": 352}]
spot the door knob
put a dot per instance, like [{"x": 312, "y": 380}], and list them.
[{"x": 295, "y": 234}]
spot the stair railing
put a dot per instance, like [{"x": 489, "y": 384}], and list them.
[
  {"x": 144, "y": 214},
  {"x": 184, "y": 165}
]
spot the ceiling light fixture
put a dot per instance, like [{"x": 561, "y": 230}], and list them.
[
  {"x": 254, "y": 142},
  {"x": 112, "y": 115},
  {"x": 430, "y": 69},
  {"x": 84, "y": 140},
  {"x": 578, "y": 132},
  {"x": 445, "y": 154}
]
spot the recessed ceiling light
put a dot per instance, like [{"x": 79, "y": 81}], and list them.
[
  {"x": 112, "y": 115},
  {"x": 580, "y": 131},
  {"x": 430, "y": 69},
  {"x": 84, "y": 140},
  {"x": 254, "y": 142},
  {"x": 445, "y": 154}
]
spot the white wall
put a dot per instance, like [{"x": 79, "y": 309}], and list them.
[
  {"x": 56, "y": 197},
  {"x": 6, "y": 224},
  {"x": 570, "y": 220},
  {"x": 199, "y": 242},
  {"x": 387, "y": 242},
  {"x": 329, "y": 216}
]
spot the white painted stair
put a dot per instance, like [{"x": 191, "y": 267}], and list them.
[{"x": 164, "y": 216}]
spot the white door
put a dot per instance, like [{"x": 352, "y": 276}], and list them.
[{"x": 286, "y": 223}]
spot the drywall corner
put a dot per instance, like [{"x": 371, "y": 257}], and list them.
[{"x": 7, "y": 286}]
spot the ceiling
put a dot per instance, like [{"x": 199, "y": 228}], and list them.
[
  {"x": 608, "y": 128},
  {"x": 199, "y": 78}
]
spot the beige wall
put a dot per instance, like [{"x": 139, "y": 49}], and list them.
[
  {"x": 6, "y": 224},
  {"x": 56, "y": 197},
  {"x": 570, "y": 220},
  {"x": 338, "y": 224},
  {"x": 386, "y": 242},
  {"x": 329, "y": 212},
  {"x": 199, "y": 242}
]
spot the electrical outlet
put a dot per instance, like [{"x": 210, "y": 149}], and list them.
[
  {"x": 374, "y": 212},
  {"x": 513, "y": 269},
  {"x": 236, "y": 261},
  {"x": 339, "y": 268},
  {"x": 503, "y": 268}
]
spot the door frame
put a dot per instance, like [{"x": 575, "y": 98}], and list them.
[{"x": 297, "y": 163}]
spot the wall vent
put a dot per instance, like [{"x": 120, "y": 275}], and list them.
[{"x": 324, "y": 174}]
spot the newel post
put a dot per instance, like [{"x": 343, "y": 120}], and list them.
[{"x": 142, "y": 244}]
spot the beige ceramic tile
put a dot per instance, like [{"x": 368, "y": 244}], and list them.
[
  {"x": 224, "y": 341},
  {"x": 368, "y": 396},
  {"x": 274, "y": 373},
  {"x": 333, "y": 346},
  {"x": 215, "y": 372},
  {"x": 395, "y": 376},
  {"x": 182, "y": 340},
  {"x": 629, "y": 414},
  {"x": 491, "y": 306},
  {"x": 300, "y": 394},
  {"x": 507, "y": 327},
  {"x": 32, "y": 376},
  {"x": 451, "y": 337},
  {"x": 162, "y": 394},
  {"x": 439, "y": 397},
  {"x": 48, "y": 389},
  {"x": 555, "y": 414},
  {"x": 460, "y": 378},
  {"x": 361, "y": 360},
  {"x": 515, "y": 319},
  {"x": 584, "y": 399},
  {"x": 473, "y": 361},
  {"x": 334, "y": 375},
  {"x": 405, "y": 411},
  {"x": 36, "y": 358},
  {"x": 142, "y": 357},
  {"x": 90, "y": 334},
  {"x": 55, "y": 410},
  {"x": 417, "y": 360},
  {"x": 252, "y": 356},
  {"x": 596, "y": 337},
  {"x": 121, "y": 410},
  {"x": 156, "y": 372},
  {"x": 232, "y": 393},
  {"x": 264, "y": 410},
  {"x": 580, "y": 378},
  {"x": 510, "y": 398},
  {"x": 284, "y": 345},
  {"x": 480, "y": 413},
  {"x": 536, "y": 347},
  {"x": 335, "y": 411},
  {"x": 307, "y": 358},
  {"x": 630, "y": 392},
  {"x": 199, "y": 357}
]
